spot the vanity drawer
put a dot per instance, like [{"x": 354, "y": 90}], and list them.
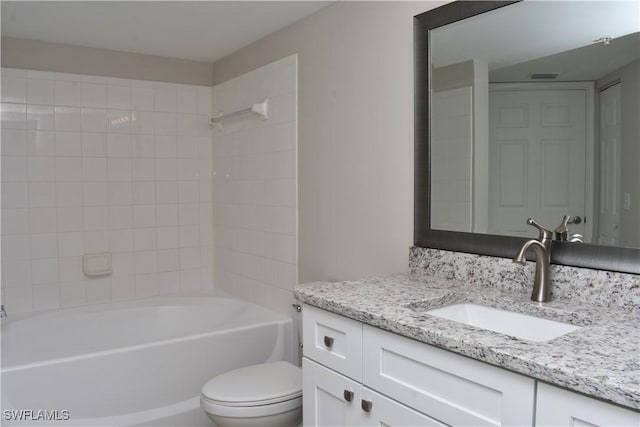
[
  {"x": 333, "y": 341},
  {"x": 451, "y": 388}
]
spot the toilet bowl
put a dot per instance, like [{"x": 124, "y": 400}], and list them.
[{"x": 265, "y": 395}]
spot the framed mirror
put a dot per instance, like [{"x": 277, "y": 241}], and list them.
[{"x": 529, "y": 109}]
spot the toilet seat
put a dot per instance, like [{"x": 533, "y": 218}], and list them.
[
  {"x": 213, "y": 407},
  {"x": 254, "y": 391}
]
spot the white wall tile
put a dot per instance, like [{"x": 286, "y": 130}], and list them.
[
  {"x": 98, "y": 290},
  {"x": 70, "y": 269},
  {"x": 118, "y": 145},
  {"x": 168, "y": 283},
  {"x": 93, "y": 120},
  {"x": 94, "y": 95},
  {"x": 68, "y": 93},
  {"x": 94, "y": 144},
  {"x": 70, "y": 244},
  {"x": 40, "y": 169},
  {"x": 123, "y": 264},
  {"x": 167, "y": 214},
  {"x": 145, "y": 262},
  {"x": 144, "y": 216},
  {"x": 142, "y": 123},
  {"x": 143, "y": 146},
  {"x": 69, "y": 169},
  {"x": 144, "y": 169},
  {"x": 13, "y": 116},
  {"x": 120, "y": 217},
  {"x": 68, "y": 119},
  {"x": 40, "y": 92},
  {"x": 166, "y": 147},
  {"x": 94, "y": 169},
  {"x": 15, "y": 169},
  {"x": 118, "y": 121},
  {"x": 16, "y": 273},
  {"x": 16, "y": 246},
  {"x": 14, "y": 142},
  {"x": 121, "y": 240},
  {"x": 142, "y": 99},
  {"x": 146, "y": 285},
  {"x": 96, "y": 241},
  {"x": 72, "y": 294},
  {"x": 69, "y": 219},
  {"x": 145, "y": 239},
  {"x": 68, "y": 144},
  {"x": 190, "y": 280},
  {"x": 40, "y": 117},
  {"x": 44, "y": 245},
  {"x": 95, "y": 218},
  {"x": 119, "y": 169},
  {"x": 14, "y": 195},
  {"x": 168, "y": 260},
  {"x": 120, "y": 193},
  {"x": 69, "y": 194},
  {"x": 165, "y": 98},
  {"x": 44, "y": 271},
  {"x": 94, "y": 193},
  {"x": 123, "y": 288},
  {"x": 46, "y": 297},
  {"x": 14, "y": 89},
  {"x": 18, "y": 299},
  {"x": 164, "y": 123},
  {"x": 166, "y": 169},
  {"x": 41, "y": 143},
  {"x": 118, "y": 97},
  {"x": 42, "y": 220}
]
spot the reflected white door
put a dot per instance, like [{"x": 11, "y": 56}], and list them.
[
  {"x": 610, "y": 136},
  {"x": 537, "y": 149}
]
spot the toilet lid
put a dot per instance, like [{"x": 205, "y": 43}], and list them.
[{"x": 257, "y": 384}]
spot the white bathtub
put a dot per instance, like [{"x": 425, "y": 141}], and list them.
[{"x": 132, "y": 363}]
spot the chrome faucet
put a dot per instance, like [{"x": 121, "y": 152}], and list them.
[
  {"x": 3, "y": 312},
  {"x": 542, "y": 249}
]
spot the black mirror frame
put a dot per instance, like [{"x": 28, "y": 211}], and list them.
[{"x": 610, "y": 258}]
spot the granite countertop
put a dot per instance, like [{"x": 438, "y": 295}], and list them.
[{"x": 601, "y": 359}]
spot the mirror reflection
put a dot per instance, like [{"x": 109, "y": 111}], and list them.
[{"x": 536, "y": 113}]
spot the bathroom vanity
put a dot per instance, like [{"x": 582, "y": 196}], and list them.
[{"x": 373, "y": 355}]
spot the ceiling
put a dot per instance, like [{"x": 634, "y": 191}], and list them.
[
  {"x": 195, "y": 30},
  {"x": 530, "y": 30}
]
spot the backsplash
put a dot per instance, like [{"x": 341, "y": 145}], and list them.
[
  {"x": 94, "y": 164},
  {"x": 581, "y": 285}
]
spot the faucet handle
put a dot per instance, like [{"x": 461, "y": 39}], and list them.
[
  {"x": 544, "y": 233},
  {"x": 562, "y": 231}
]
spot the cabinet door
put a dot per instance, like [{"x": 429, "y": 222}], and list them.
[
  {"x": 559, "y": 407},
  {"x": 451, "y": 388},
  {"x": 327, "y": 398},
  {"x": 384, "y": 412}
]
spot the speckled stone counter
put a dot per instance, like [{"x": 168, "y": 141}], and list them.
[{"x": 601, "y": 359}]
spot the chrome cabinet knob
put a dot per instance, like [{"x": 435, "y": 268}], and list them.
[
  {"x": 328, "y": 341},
  {"x": 348, "y": 395},
  {"x": 366, "y": 405}
]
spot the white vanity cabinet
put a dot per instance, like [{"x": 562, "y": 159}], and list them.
[
  {"x": 354, "y": 374},
  {"x": 558, "y": 407}
]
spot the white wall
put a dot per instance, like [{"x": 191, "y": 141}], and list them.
[
  {"x": 93, "y": 164},
  {"x": 355, "y": 133},
  {"x": 254, "y": 188}
]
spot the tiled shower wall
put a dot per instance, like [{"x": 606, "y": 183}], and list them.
[
  {"x": 93, "y": 164},
  {"x": 255, "y": 187}
]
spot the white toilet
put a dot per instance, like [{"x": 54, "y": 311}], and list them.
[{"x": 265, "y": 395}]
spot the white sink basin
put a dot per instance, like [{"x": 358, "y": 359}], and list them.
[{"x": 505, "y": 322}]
